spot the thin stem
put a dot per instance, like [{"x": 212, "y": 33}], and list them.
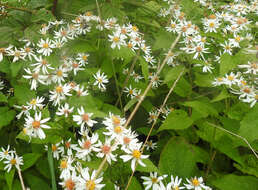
[
  {"x": 54, "y": 7},
  {"x": 210, "y": 163},
  {"x": 97, "y": 4},
  {"x": 51, "y": 166},
  {"x": 128, "y": 75},
  {"x": 100, "y": 167},
  {"x": 17, "y": 8},
  {"x": 236, "y": 135},
  {"x": 155, "y": 121},
  {"x": 117, "y": 87},
  {"x": 20, "y": 177},
  {"x": 150, "y": 84}
]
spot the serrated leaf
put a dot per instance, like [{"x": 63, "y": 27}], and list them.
[{"x": 177, "y": 119}]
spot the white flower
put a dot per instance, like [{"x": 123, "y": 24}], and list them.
[
  {"x": 5, "y": 153},
  {"x": 86, "y": 146},
  {"x": 114, "y": 120},
  {"x": 175, "y": 183},
  {"x": 89, "y": 182},
  {"x": 66, "y": 166},
  {"x": 35, "y": 125},
  {"x": 13, "y": 160},
  {"x": 153, "y": 181},
  {"x": 60, "y": 93},
  {"x": 198, "y": 50},
  {"x": 34, "y": 77},
  {"x": 24, "y": 110},
  {"x": 130, "y": 91},
  {"x": 83, "y": 58},
  {"x": 34, "y": 103},
  {"x": 28, "y": 51},
  {"x": 46, "y": 47},
  {"x": 57, "y": 150},
  {"x": 117, "y": 40},
  {"x": 18, "y": 54},
  {"x": 64, "y": 110},
  {"x": 83, "y": 118},
  {"x": 195, "y": 183},
  {"x": 151, "y": 145},
  {"x": 69, "y": 147},
  {"x": 106, "y": 150},
  {"x": 80, "y": 91},
  {"x": 134, "y": 154},
  {"x": 69, "y": 181},
  {"x": 227, "y": 48},
  {"x": 41, "y": 64},
  {"x": 60, "y": 74},
  {"x": 211, "y": 25},
  {"x": 251, "y": 67},
  {"x": 101, "y": 79}
]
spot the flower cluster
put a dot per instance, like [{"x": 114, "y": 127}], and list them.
[
  {"x": 156, "y": 182},
  {"x": 10, "y": 159}
]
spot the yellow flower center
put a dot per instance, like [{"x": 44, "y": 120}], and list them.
[
  {"x": 116, "y": 39},
  {"x": 118, "y": 129},
  {"x": 59, "y": 89},
  {"x": 35, "y": 75},
  {"x": 173, "y": 26},
  {"x": 134, "y": 28},
  {"x": 54, "y": 148},
  {"x": 256, "y": 96},
  {"x": 88, "y": 13},
  {"x": 176, "y": 188},
  {"x": 227, "y": 47},
  {"x": 100, "y": 80},
  {"x": 238, "y": 38},
  {"x": 212, "y": 24},
  {"x": 36, "y": 124},
  {"x": 63, "y": 164},
  {"x": 85, "y": 57},
  {"x": 44, "y": 62},
  {"x": 154, "y": 180},
  {"x": 137, "y": 154},
  {"x": 59, "y": 73},
  {"x": 230, "y": 78},
  {"x": 116, "y": 120},
  {"x": 198, "y": 49},
  {"x": 27, "y": 49},
  {"x": 45, "y": 45},
  {"x": 127, "y": 140},
  {"x": 195, "y": 182},
  {"x": 17, "y": 54},
  {"x": 13, "y": 161},
  {"x": 90, "y": 185},
  {"x": 33, "y": 102},
  {"x": 247, "y": 90}
]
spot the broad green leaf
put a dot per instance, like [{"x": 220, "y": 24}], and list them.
[
  {"x": 183, "y": 88},
  {"x": 171, "y": 74},
  {"x": 203, "y": 80},
  {"x": 6, "y": 116},
  {"x": 23, "y": 94},
  {"x": 179, "y": 158},
  {"x": 9, "y": 178},
  {"x": 42, "y": 15},
  {"x": 130, "y": 104},
  {"x": 249, "y": 124},
  {"x": 231, "y": 181},
  {"x": 29, "y": 160},
  {"x": 145, "y": 68},
  {"x": 150, "y": 167},
  {"x": 3, "y": 98},
  {"x": 223, "y": 95},
  {"x": 16, "y": 67},
  {"x": 145, "y": 131},
  {"x": 227, "y": 63},
  {"x": 238, "y": 110},
  {"x": 203, "y": 107},
  {"x": 164, "y": 40},
  {"x": 135, "y": 184},
  {"x": 177, "y": 119},
  {"x": 35, "y": 182}
]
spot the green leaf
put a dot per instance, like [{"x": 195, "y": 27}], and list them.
[
  {"x": 9, "y": 176},
  {"x": 29, "y": 160},
  {"x": 227, "y": 63},
  {"x": 203, "y": 80},
  {"x": 6, "y": 116},
  {"x": 50, "y": 138},
  {"x": 150, "y": 167},
  {"x": 171, "y": 74},
  {"x": 203, "y": 107},
  {"x": 23, "y": 94},
  {"x": 179, "y": 158},
  {"x": 145, "y": 68},
  {"x": 135, "y": 184},
  {"x": 238, "y": 110},
  {"x": 35, "y": 182},
  {"x": 16, "y": 67},
  {"x": 249, "y": 124},
  {"x": 130, "y": 104},
  {"x": 3, "y": 98},
  {"x": 223, "y": 95},
  {"x": 177, "y": 119},
  {"x": 231, "y": 181},
  {"x": 164, "y": 39},
  {"x": 42, "y": 15}
]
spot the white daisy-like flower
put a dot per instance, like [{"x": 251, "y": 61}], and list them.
[
  {"x": 60, "y": 75},
  {"x": 130, "y": 91},
  {"x": 134, "y": 154},
  {"x": 57, "y": 150},
  {"x": 35, "y": 78},
  {"x": 36, "y": 102},
  {"x": 36, "y": 124},
  {"x": 117, "y": 40},
  {"x": 106, "y": 150},
  {"x": 41, "y": 64},
  {"x": 83, "y": 58},
  {"x": 101, "y": 80},
  {"x": 153, "y": 181},
  {"x": 45, "y": 46},
  {"x": 251, "y": 67},
  {"x": 64, "y": 110},
  {"x": 60, "y": 93},
  {"x": 28, "y": 52},
  {"x": 195, "y": 183},
  {"x": 89, "y": 182},
  {"x": 24, "y": 110},
  {"x": 13, "y": 160},
  {"x": 80, "y": 91},
  {"x": 151, "y": 145},
  {"x": 175, "y": 183},
  {"x": 86, "y": 146},
  {"x": 83, "y": 118},
  {"x": 69, "y": 147},
  {"x": 69, "y": 181},
  {"x": 227, "y": 48},
  {"x": 17, "y": 54},
  {"x": 114, "y": 120},
  {"x": 66, "y": 166},
  {"x": 4, "y": 153}
]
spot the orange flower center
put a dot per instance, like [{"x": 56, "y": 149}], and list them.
[
  {"x": 13, "y": 161},
  {"x": 36, "y": 124},
  {"x": 59, "y": 89},
  {"x": 85, "y": 117},
  {"x": 87, "y": 144},
  {"x": 105, "y": 149},
  {"x": 90, "y": 185},
  {"x": 69, "y": 184}
]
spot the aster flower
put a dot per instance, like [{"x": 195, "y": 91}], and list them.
[
  {"x": 4, "y": 153},
  {"x": 64, "y": 110},
  {"x": 69, "y": 181},
  {"x": 89, "y": 182},
  {"x": 66, "y": 166},
  {"x": 35, "y": 78},
  {"x": 35, "y": 125},
  {"x": 41, "y": 64},
  {"x": 106, "y": 150},
  {"x": 13, "y": 160},
  {"x": 60, "y": 93},
  {"x": 83, "y": 118},
  {"x": 153, "y": 181},
  {"x": 134, "y": 154},
  {"x": 36, "y": 102},
  {"x": 175, "y": 183},
  {"x": 45, "y": 46},
  {"x": 195, "y": 183},
  {"x": 101, "y": 79}
]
